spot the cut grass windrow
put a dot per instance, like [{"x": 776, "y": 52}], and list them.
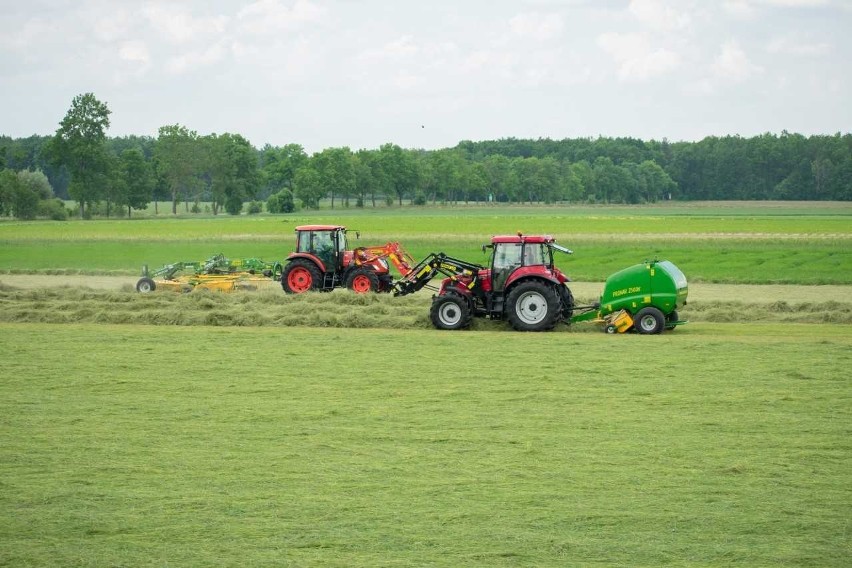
[{"x": 340, "y": 309}]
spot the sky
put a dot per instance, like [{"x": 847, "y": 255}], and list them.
[{"x": 430, "y": 73}]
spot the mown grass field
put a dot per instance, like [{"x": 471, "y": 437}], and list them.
[
  {"x": 710, "y": 242},
  {"x": 256, "y": 428},
  {"x": 192, "y": 446}
]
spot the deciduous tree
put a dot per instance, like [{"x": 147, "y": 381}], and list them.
[
  {"x": 80, "y": 145},
  {"x": 179, "y": 160},
  {"x": 137, "y": 180}
]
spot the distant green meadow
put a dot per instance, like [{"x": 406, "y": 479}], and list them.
[{"x": 754, "y": 243}]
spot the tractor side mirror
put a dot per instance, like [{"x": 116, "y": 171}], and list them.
[
  {"x": 357, "y": 235},
  {"x": 486, "y": 247}
]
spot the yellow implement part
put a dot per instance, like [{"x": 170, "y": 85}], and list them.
[
  {"x": 215, "y": 282},
  {"x": 619, "y": 321}
]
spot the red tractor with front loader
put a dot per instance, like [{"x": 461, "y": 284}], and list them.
[
  {"x": 521, "y": 284},
  {"x": 323, "y": 261}
]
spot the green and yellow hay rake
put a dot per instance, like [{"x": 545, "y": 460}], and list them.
[{"x": 217, "y": 273}]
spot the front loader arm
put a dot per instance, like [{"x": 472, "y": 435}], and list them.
[
  {"x": 391, "y": 251},
  {"x": 420, "y": 275}
]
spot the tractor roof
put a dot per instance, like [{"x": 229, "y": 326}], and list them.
[
  {"x": 320, "y": 227},
  {"x": 522, "y": 239}
]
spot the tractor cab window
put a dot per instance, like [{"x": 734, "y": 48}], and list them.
[
  {"x": 322, "y": 245},
  {"x": 304, "y": 244},
  {"x": 507, "y": 257},
  {"x": 341, "y": 242},
  {"x": 536, "y": 254}
]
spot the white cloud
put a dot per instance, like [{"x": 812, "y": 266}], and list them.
[
  {"x": 135, "y": 51},
  {"x": 637, "y": 59},
  {"x": 796, "y": 44},
  {"x": 491, "y": 62},
  {"x": 536, "y": 26},
  {"x": 402, "y": 47},
  {"x": 196, "y": 59},
  {"x": 658, "y": 15},
  {"x": 733, "y": 64},
  {"x": 272, "y": 16},
  {"x": 114, "y": 26},
  {"x": 739, "y": 9},
  {"x": 405, "y": 81},
  {"x": 180, "y": 26},
  {"x": 748, "y": 9},
  {"x": 795, "y": 3},
  {"x": 32, "y": 32}
]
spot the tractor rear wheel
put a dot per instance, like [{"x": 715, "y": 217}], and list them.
[
  {"x": 567, "y": 302},
  {"x": 649, "y": 320},
  {"x": 450, "y": 311},
  {"x": 300, "y": 276},
  {"x": 362, "y": 281},
  {"x": 145, "y": 285},
  {"x": 533, "y": 306}
]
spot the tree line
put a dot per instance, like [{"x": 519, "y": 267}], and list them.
[{"x": 222, "y": 172}]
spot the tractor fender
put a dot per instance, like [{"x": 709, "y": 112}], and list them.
[
  {"x": 448, "y": 285},
  {"x": 294, "y": 255},
  {"x": 530, "y": 272}
]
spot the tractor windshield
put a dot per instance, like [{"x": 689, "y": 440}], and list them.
[{"x": 536, "y": 254}]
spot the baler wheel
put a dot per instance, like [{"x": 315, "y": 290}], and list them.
[
  {"x": 533, "y": 306},
  {"x": 300, "y": 276},
  {"x": 649, "y": 320},
  {"x": 450, "y": 311}
]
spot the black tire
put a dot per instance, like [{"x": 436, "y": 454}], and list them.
[
  {"x": 567, "y": 302},
  {"x": 145, "y": 285},
  {"x": 450, "y": 312},
  {"x": 363, "y": 280},
  {"x": 671, "y": 319},
  {"x": 300, "y": 276},
  {"x": 649, "y": 321},
  {"x": 533, "y": 306}
]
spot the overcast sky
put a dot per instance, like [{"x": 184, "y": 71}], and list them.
[{"x": 429, "y": 73}]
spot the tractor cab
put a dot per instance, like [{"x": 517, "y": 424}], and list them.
[
  {"x": 516, "y": 256},
  {"x": 325, "y": 242}
]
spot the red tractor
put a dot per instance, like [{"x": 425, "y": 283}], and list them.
[
  {"x": 323, "y": 261},
  {"x": 521, "y": 285}
]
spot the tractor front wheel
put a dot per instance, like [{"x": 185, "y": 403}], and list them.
[
  {"x": 649, "y": 320},
  {"x": 533, "y": 306},
  {"x": 450, "y": 311},
  {"x": 300, "y": 276},
  {"x": 363, "y": 281},
  {"x": 145, "y": 285}
]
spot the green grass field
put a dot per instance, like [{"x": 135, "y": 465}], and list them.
[
  {"x": 772, "y": 243},
  {"x": 259, "y": 429},
  {"x": 182, "y": 446}
]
